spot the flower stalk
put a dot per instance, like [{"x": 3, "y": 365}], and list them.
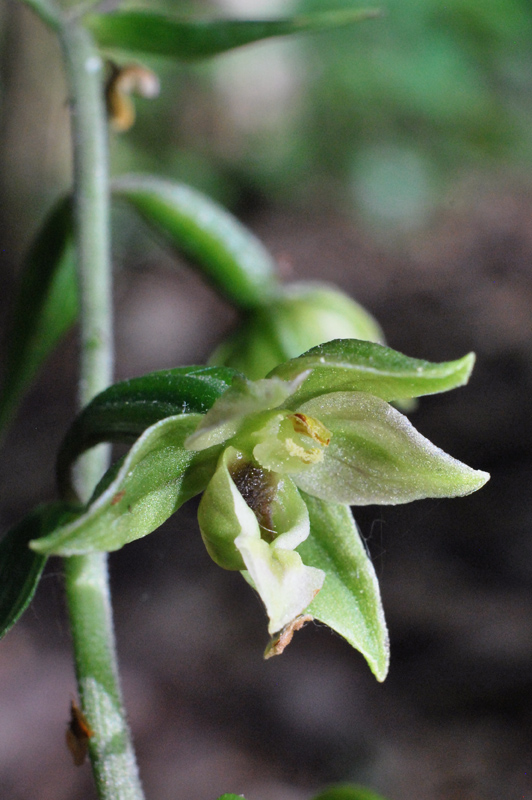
[{"x": 86, "y": 576}]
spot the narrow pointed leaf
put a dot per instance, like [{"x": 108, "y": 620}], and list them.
[
  {"x": 20, "y": 567},
  {"x": 190, "y": 40},
  {"x": 157, "y": 476},
  {"x": 361, "y": 366},
  {"x": 229, "y": 255},
  {"x": 349, "y": 601},
  {"x": 377, "y": 456},
  {"x": 45, "y": 308},
  {"x": 123, "y": 411},
  {"x": 346, "y": 791}
]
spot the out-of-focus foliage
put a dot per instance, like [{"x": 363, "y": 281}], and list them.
[
  {"x": 378, "y": 117},
  {"x": 383, "y": 114},
  {"x": 431, "y": 90}
]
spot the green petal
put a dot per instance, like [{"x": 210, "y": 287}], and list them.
[
  {"x": 157, "y": 476},
  {"x": 289, "y": 516},
  {"x": 355, "y": 365},
  {"x": 223, "y": 514},
  {"x": 242, "y": 399},
  {"x": 349, "y": 601},
  {"x": 377, "y": 456}
]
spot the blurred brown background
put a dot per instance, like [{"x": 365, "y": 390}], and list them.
[{"x": 407, "y": 182}]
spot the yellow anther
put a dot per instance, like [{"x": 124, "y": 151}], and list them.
[{"x": 309, "y": 426}]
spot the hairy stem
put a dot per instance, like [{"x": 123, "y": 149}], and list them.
[{"x": 87, "y": 584}]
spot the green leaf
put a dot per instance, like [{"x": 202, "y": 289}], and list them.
[
  {"x": 229, "y": 255},
  {"x": 155, "y": 478},
  {"x": 123, "y": 411},
  {"x": 377, "y": 456},
  {"x": 346, "y": 791},
  {"x": 46, "y": 306},
  {"x": 190, "y": 40},
  {"x": 20, "y": 567},
  {"x": 349, "y": 601},
  {"x": 356, "y": 365}
]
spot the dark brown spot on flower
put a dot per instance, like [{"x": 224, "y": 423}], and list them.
[{"x": 258, "y": 488}]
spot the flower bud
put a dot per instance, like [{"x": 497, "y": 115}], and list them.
[{"x": 300, "y": 317}]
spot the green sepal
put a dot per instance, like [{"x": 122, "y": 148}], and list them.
[
  {"x": 228, "y": 254},
  {"x": 222, "y": 514},
  {"x": 300, "y": 316},
  {"x": 377, "y": 456},
  {"x": 349, "y": 601},
  {"x": 125, "y": 410},
  {"x": 190, "y": 40},
  {"x": 361, "y": 366},
  {"x": 155, "y": 478},
  {"x": 346, "y": 791},
  {"x": 45, "y": 307},
  {"x": 20, "y": 567}
]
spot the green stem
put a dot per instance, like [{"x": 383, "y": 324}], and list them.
[{"x": 86, "y": 577}]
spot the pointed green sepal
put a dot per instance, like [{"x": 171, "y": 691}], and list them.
[
  {"x": 155, "y": 478},
  {"x": 190, "y": 40},
  {"x": 349, "y": 601},
  {"x": 356, "y": 365},
  {"x": 377, "y": 456},
  {"x": 125, "y": 410},
  {"x": 44, "y": 309},
  {"x": 228, "y": 254},
  {"x": 20, "y": 567}
]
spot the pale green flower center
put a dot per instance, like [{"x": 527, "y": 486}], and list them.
[{"x": 290, "y": 443}]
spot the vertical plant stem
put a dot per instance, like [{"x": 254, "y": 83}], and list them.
[{"x": 87, "y": 584}]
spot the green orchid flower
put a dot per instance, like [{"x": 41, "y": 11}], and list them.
[
  {"x": 279, "y": 461},
  {"x": 343, "y": 447}
]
